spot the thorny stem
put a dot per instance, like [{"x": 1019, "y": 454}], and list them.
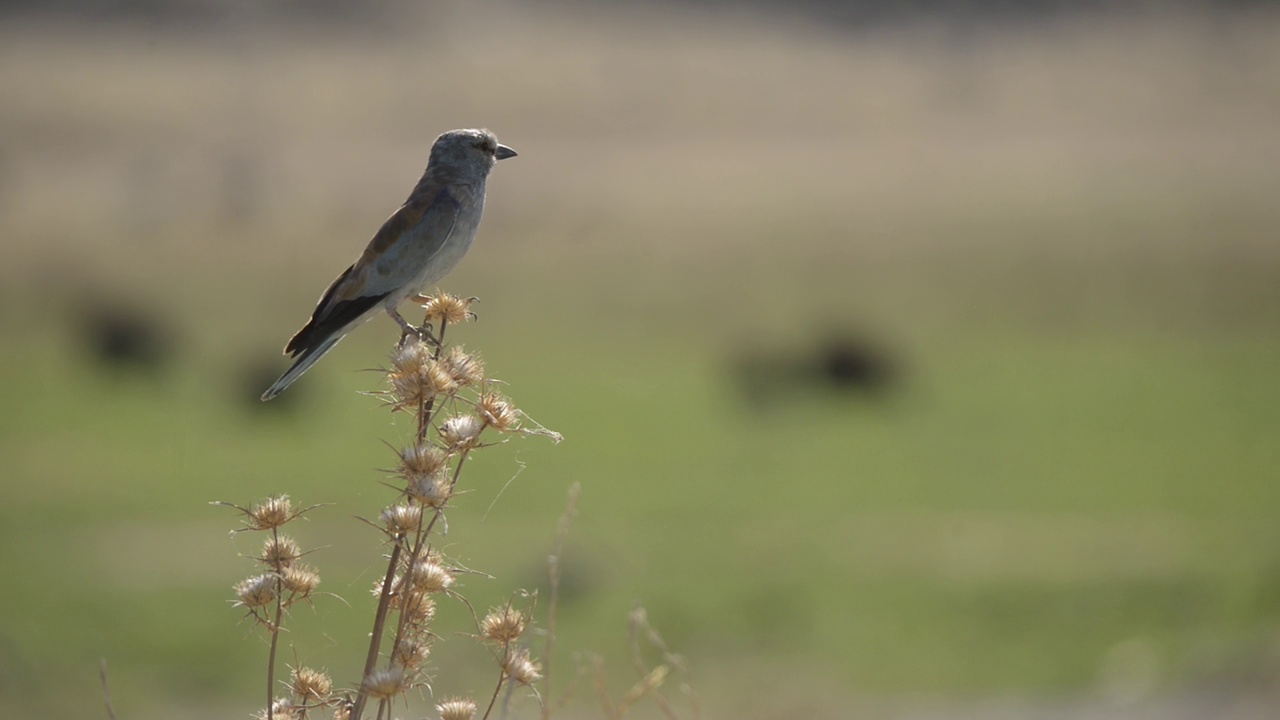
[
  {"x": 275, "y": 635},
  {"x": 384, "y": 598},
  {"x": 424, "y": 409},
  {"x": 502, "y": 676},
  {"x": 380, "y": 618},
  {"x": 423, "y": 534}
]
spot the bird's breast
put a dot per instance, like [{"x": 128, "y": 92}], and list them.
[{"x": 448, "y": 254}]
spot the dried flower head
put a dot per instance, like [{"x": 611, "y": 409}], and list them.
[
  {"x": 409, "y": 391},
  {"x": 412, "y": 652},
  {"x": 386, "y": 683},
  {"x": 430, "y": 576},
  {"x": 421, "y": 460},
  {"x": 520, "y": 667},
  {"x": 503, "y": 625},
  {"x": 280, "y": 552},
  {"x": 300, "y": 580},
  {"x": 464, "y": 368},
  {"x": 498, "y": 412},
  {"x": 420, "y": 608},
  {"x": 411, "y": 358},
  {"x": 281, "y": 709},
  {"x": 448, "y": 308},
  {"x": 416, "y": 377},
  {"x": 441, "y": 379},
  {"x": 402, "y": 519},
  {"x": 461, "y": 432},
  {"x": 431, "y": 490},
  {"x": 412, "y": 601},
  {"x": 255, "y": 592},
  {"x": 342, "y": 711},
  {"x": 457, "y": 709},
  {"x": 270, "y": 513},
  {"x": 310, "y": 686}
]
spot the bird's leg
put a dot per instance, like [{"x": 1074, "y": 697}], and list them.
[{"x": 406, "y": 329}]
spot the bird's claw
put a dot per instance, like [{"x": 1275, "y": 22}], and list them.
[
  {"x": 425, "y": 335},
  {"x": 421, "y": 334}
]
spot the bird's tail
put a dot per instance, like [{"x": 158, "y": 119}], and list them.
[{"x": 304, "y": 362}]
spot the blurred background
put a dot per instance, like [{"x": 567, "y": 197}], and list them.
[{"x": 916, "y": 359}]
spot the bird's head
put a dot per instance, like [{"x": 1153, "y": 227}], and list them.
[{"x": 467, "y": 153}]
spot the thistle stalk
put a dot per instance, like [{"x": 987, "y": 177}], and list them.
[{"x": 455, "y": 412}]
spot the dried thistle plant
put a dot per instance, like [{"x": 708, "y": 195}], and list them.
[
  {"x": 268, "y": 595},
  {"x": 457, "y": 412},
  {"x": 650, "y": 680}
]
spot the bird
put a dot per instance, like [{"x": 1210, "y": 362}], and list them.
[{"x": 418, "y": 245}]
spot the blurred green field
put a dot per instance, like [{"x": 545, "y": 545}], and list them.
[{"x": 1064, "y": 238}]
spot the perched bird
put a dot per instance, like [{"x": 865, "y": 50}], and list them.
[{"x": 419, "y": 244}]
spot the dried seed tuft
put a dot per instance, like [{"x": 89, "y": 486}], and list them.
[
  {"x": 457, "y": 709},
  {"x": 503, "y": 625}
]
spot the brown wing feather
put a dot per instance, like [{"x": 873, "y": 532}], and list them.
[
  {"x": 330, "y": 315},
  {"x": 400, "y": 222},
  {"x": 339, "y": 306}
]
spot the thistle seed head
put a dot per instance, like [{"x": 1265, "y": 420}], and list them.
[
  {"x": 416, "y": 377},
  {"x": 411, "y": 359},
  {"x": 503, "y": 625},
  {"x": 498, "y": 412},
  {"x": 446, "y": 307},
  {"x": 440, "y": 379},
  {"x": 412, "y": 652},
  {"x": 281, "y": 709},
  {"x": 457, "y": 709},
  {"x": 256, "y": 592},
  {"x": 464, "y": 368},
  {"x": 270, "y": 513},
  {"x": 420, "y": 460},
  {"x": 461, "y": 432},
  {"x": 430, "y": 576},
  {"x": 387, "y": 683},
  {"x": 300, "y": 580},
  {"x": 420, "y": 608},
  {"x": 431, "y": 490},
  {"x": 415, "y": 603},
  {"x": 521, "y": 668},
  {"x": 280, "y": 552},
  {"x": 310, "y": 686},
  {"x": 402, "y": 519},
  {"x": 409, "y": 391}
]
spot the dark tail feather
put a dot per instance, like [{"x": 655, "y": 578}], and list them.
[{"x": 304, "y": 362}]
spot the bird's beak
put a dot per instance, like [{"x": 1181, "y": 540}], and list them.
[{"x": 503, "y": 152}]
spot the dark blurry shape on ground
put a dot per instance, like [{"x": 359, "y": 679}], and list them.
[
  {"x": 582, "y": 575},
  {"x": 125, "y": 337},
  {"x": 845, "y": 366}
]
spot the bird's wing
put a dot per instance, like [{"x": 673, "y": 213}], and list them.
[
  {"x": 420, "y": 229},
  {"x": 404, "y": 244}
]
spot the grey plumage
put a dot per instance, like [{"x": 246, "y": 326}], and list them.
[{"x": 418, "y": 245}]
